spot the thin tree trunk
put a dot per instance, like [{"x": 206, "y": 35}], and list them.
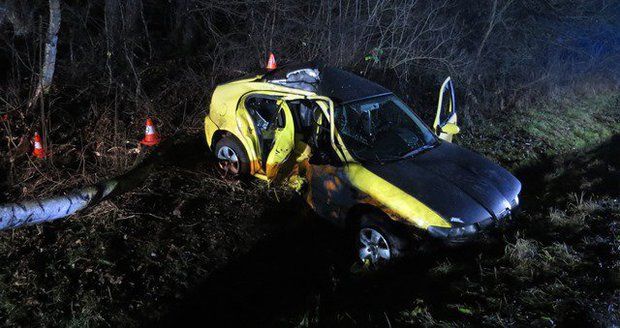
[{"x": 51, "y": 43}]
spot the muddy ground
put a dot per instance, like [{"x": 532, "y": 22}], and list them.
[{"x": 189, "y": 246}]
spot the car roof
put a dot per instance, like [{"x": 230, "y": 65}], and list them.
[{"x": 339, "y": 85}]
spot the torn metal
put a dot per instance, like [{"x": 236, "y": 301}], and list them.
[{"x": 304, "y": 79}]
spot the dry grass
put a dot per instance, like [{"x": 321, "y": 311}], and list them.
[
  {"x": 443, "y": 268},
  {"x": 524, "y": 255}
]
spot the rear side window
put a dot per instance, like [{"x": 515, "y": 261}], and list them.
[{"x": 265, "y": 108}]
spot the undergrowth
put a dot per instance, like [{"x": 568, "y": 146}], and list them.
[{"x": 571, "y": 121}]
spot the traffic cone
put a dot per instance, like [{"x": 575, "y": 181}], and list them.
[
  {"x": 271, "y": 63},
  {"x": 151, "y": 138},
  {"x": 38, "y": 150}
]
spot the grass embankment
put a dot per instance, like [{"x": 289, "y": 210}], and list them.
[{"x": 549, "y": 128}]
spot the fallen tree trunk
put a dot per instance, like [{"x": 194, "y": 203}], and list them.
[
  {"x": 18, "y": 214},
  {"x": 31, "y": 212}
]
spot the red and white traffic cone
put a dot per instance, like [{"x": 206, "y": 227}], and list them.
[
  {"x": 271, "y": 63},
  {"x": 38, "y": 150},
  {"x": 151, "y": 137}
]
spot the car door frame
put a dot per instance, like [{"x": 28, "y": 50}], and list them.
[
  {"x": 258, "y": 138},
  {"x": 283, "y": 142},
  {"x": 447, "y": 85},
  {"x": 244, "y": 117}
]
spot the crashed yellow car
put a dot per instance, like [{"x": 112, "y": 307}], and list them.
[{"x": 366, "y": 161}]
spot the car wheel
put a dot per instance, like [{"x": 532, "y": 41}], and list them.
[
  {"x": 232, "y": 160},
  {"x": 379, "y": 242}
]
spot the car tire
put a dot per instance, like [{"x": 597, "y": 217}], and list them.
[
  {"x": 378, "y": 241},
  {"x": 232, "y": 159}
]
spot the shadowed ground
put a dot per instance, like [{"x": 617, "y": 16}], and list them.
[{"x": 302, "y": 274}]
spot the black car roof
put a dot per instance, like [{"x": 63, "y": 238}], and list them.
[{"x": 339, "y": 85}]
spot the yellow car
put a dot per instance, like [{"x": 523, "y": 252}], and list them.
[{"x": 366, "y": 161}]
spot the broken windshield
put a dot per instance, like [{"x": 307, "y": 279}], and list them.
[{"x": 381, "y": 128}]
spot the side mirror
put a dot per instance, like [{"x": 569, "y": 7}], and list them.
[{"x": 450, "y": 128}]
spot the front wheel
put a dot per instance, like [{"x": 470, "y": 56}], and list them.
[{"x": 379, "y": 242}]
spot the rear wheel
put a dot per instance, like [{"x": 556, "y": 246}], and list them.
[
  {"x": 232, "y": 160},
  {"x": 379, "y": 243}
]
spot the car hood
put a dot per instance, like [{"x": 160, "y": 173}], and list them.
[{"x": 454, "y": 182}]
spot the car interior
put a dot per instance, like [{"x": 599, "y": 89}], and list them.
[
  {"x": 263, "y": 110},
  {"x": 311, "y": 127}
]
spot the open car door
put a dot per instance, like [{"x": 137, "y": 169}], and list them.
[
  {"x": 446, "y": 117},
  {"x": 283, "y": 141}
]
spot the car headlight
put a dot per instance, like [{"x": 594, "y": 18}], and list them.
[{"x": 454, "y": 232}]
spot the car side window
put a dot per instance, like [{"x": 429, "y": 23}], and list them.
[{"x": 263, "y": 110}]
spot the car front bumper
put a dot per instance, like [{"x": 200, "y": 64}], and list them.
[{"x": 468, "y": 233}]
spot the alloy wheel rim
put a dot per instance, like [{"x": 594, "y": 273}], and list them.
[
  {"x": 373, "y": 246},
  {"x": 228, "y": 161}
]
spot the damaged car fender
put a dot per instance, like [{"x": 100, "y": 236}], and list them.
[{"x": 333, "y": 191}]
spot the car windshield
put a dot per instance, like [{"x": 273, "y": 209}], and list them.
[{"x": 382, "y": 128}]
